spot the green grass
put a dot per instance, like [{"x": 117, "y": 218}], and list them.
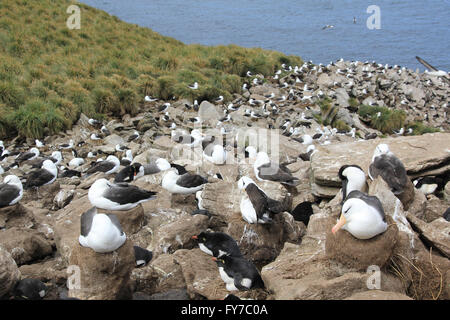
[
  {"x": 50, "y": 74},
  {"x": 419, "y": 128},
  {"x": 388, "y": 120}
]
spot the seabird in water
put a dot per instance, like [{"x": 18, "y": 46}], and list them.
[
  {"x": 117, "y": 196},
  {"x": 362, "y": 215},
  {"x": 101, "y": 232}
]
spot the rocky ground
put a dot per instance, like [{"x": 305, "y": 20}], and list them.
[{"x": 39, "y": 235}]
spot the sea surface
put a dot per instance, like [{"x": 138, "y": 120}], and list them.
[{"x": 407, "y": 28}]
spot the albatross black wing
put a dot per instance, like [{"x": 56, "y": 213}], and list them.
[
  {"x": 370, "y": 200},
  {"x": 274, "y": 172},
  {"x": 188, "y": 180},
  {"x": 86, "y": 221},
  {"x": 123, "y": 193},
  {"x": 37, "y": 178},
  {"x": 8, "y": 193},
  {"x": 101, "y": 166},
  {"x": 258, "y": 199}
]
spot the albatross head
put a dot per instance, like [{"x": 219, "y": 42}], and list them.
[
  {"x": 13, "y": 180},
  {"x": 244, "y": 182},
  {"x": 381, "y": 149}
]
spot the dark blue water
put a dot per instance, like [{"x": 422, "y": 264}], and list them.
[{"x": 408, "y": 28}]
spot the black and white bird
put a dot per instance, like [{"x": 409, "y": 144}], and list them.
[
  {"x": 142, "y": 256},
  {"x": 120, "y": 148},
  {"x": 217, "y": 244},
  {"x": 39, "y": 144},
  {"x": 429, "y": 185},
  {"x": 11, "y": 191},
  {"x": 133, "y": 136},
  {"x": 215, "y": 153},
  {"x": 265, "y": 169},
  {"x": 126, "y": 161},
  {"x": 193, "y": 86},
  {"x": 96, "y": 136},
  {"x": 66, "y": 145},
  {"x": 353, "y": 178},
  {"x": 108, "y": 166},
  {"x": 178, "y": 180},
  {"x": 156, "y": 166},
  {"x": 101, "y": 232},
  {"x": 26, "y": 156},
  {"x": 105, "y": 131},
  {"x": 193, "y": 139},
  {"x": 30, "y": 289},
  {"x": 56, "y": 157},
  {"x": 389, "y": 167},
  {"x": 130, "y": 173},
  {"x": 255, "y": 205},
  {"x": 45, "y": 175},
  {"x": 195, "y": 120},
  {"x": 238, "y": 273},
  {"x": 117, "y": 196},
  {"x": 309, "y": 152},
  {"x": 94, "y": 122},
  {"x": 362, "y": 215},
  {"x": 150, "y": 99},
  {"x": 218, "y": 99}
]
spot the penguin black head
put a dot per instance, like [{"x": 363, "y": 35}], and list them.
[
  {"x": 138, "y": 169},
  {"x": 142, "y": 256},
  {"x": 220, "y": 261},
  {"x": 201, "y": 238},
  {"x": 302, "y": 212},
  {"x": 30, "y": 289}
]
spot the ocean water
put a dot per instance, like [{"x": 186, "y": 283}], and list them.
[{"x": 407, "y": 28}]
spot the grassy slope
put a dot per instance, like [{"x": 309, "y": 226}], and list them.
[{"x": 49, "y": 74}]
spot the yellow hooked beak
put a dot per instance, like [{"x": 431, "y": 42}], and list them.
[{"x": 339, "y": 224}]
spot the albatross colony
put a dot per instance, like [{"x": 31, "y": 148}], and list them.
[{"x": 200, "y": 158}]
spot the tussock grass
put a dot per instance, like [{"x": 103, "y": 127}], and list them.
[
  {"x": 383, "y": 119},
  {"x": 419, "y": 128},
  {"x": 105, "y": 68}
]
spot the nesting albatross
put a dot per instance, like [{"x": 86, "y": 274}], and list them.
[
  {"x": 11, "y": 191},
  {"x": 101, "y": 232},
  {"x": 255, "y": 205},
  {"x": 267, "y": 170},
  {"x": 362, "y": 215},
  {"x": 117, "y": 196}
]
